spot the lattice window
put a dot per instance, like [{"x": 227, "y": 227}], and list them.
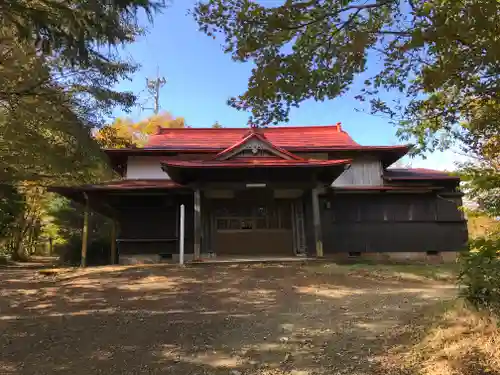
[{"x": 260, "y": 217}]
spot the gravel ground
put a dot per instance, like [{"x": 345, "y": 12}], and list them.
[{"x": 225, "y": 319}]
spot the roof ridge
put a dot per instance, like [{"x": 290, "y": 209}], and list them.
[{"x": 336, "y": 126}]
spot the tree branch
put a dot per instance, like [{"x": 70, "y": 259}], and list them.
[
  {"x": 343, "y": 26},
  {"x": 393, "y": 32},
  {"x": 358, "y": 9},
  {"x": 368, "y": 6}
]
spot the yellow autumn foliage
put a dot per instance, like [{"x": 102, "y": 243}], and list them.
[{"x": 124, "y": 133}]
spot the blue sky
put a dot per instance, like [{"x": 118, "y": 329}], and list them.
[{"x": 200, "y": 79}]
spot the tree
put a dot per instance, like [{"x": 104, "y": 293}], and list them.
[
  {"x": 59, "y": 66},
  {"x": 78, "y": 40},
  {"x": 481, "y": 172},
  {"x": 116, "y": 135},
  {"x": 74, "y": 29},
  {"x": 151, "y": 124},
  {"x": 25, "y": 206},
  {"x": 64, "y": 226},
  {"x": 441, "y": 56},
  {"x": 124, "y": 133},
  {"x": 44, "y": 140},
  {"x": 216, "y": 125},
  {"x": 11, "y": 205}
]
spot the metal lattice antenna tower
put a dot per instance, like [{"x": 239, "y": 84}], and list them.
[{"x": 153, "y": 86}]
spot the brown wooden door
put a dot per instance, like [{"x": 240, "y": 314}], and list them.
[{"x": 253, "y": 227}]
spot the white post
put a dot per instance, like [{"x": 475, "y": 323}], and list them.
[{"x": 181, "y": 236}]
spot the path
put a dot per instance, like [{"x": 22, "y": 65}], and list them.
[{"x": 226, "y": 319}]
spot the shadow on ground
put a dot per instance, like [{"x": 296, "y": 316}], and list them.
[{"x": 232, "y": 319}]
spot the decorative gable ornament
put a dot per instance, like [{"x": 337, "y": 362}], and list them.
[{"x": 255, "y": 144}]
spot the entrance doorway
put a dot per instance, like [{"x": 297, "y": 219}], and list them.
[{"x": 252, "y": 227}]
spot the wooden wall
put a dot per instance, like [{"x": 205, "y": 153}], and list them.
[
  {"x": 363, "y": 172},
  {"x": 391, "y": 223},
  {"x": 149, "y": 167},
  {"x": 149, "y": 224},
  {"x": 378, "y": 222},
  {"x": 145, "y": 167}
]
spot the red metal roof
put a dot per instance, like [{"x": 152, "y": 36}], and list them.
[
  {"x": 288, "y": 137},
  {"x": 99, "y": 193},
  {"x": 253, "y": 163},
  {"x": 417, "y": 174},
  {"x": 120, "y": 185}
]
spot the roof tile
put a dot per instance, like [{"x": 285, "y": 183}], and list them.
[{"x": 285, "y": 137}]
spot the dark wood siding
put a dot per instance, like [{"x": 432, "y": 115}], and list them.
[
  {"x": 350, "y": 223},
  {"x": 391, "y": 223},
  {"x": 149, "y": 224}
]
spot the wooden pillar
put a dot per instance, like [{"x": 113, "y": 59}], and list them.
[
  {"x": 318, "y": 237},
  {"x": 197, "y": 225},
  {"x": 294, "y": 229},
  {"x": 85, "y": 231},
  {"x": 113, "y": 242}
]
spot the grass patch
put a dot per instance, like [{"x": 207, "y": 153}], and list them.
[
  {"x": 441, "y": 272},
  {"x": 454, "y": 340}
]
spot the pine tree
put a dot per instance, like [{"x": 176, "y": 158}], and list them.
[{"x": 59, "y": 67}]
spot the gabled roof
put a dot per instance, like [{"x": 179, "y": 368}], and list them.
[
  {"x": 260, "y": 139},
  {"x": 284, "y": 140},
  {"x": 287, "y": 137},
  {"x": 410, "y": 174},
  {"x": 255, "y": 139},
  {"x": 256, "y": 155}
]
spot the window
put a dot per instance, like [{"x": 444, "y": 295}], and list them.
[
  {"x": 354, "y": 254},
  {"x": 247, "y": 224},
  {"x": 256, "y": 217},
  {"x": 432, "y": 253}
]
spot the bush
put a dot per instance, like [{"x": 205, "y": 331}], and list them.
[
  {"x": 98, "y": 252},
  {"x": 479, "y": 275}
]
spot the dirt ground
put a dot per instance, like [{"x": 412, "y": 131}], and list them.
[{"x": 224, "y": 319}]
